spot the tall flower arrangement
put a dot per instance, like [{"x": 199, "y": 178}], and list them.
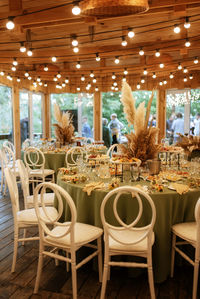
[
  {"x": 142, "y": 142},
  {"x": 64, "y": 129}
]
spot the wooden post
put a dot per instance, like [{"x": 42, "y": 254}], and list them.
[
  {"x": 46, "y": 114},
  {"x": 161, "y": 113},
  {"x": 97, "y": 116},
  {"x": 16, "y": 121}
]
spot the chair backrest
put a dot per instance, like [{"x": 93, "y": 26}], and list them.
[
  {"x": 10, "y": 145},
  {"x": 44, "y": 219},
  {"x": 112, "y": 148},
  {"x": 141, "y": 198},
  {"x": 24, "y": 177},
  {"x": 26, "y": 143},
  {"x": 34, "y": 158},
  {"x": 13, "y": 190},
  {"x": 8, "y": 157},
  {"x": 74, "y": 154}
]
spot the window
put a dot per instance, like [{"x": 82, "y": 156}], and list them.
[{"x": 6, "y": 124}]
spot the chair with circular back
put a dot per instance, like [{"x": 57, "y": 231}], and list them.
[
  {"x": 34, "y": 160},
  {"x": 10, "y": 145},
  {"x": 74, "y": 154},
  {"x": 23, "y": 219},
  {"x": 69, "y": 236},
  {"x": 125, "y": 238},
  {"x": 114, "y": 148},
  {"x": 188, "y": 234}
]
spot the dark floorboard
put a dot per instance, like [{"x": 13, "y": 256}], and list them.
[{"x": 56, "y": 282}]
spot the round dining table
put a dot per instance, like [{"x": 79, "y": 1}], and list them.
[{"x": 171, "y": 208}]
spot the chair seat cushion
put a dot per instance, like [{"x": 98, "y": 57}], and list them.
[
  {"x": 29, "y": 215},
  {"x": 128, "y": 237},
  {"x": 186, "y": 231},
  {"x": 84, "y": 234},
  {"x": 48, "y": 199},
  {"x": 40, "y": 172}
]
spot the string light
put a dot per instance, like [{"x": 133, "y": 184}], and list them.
[
  {"x": 2, "y": 73},
  {"x": 10, "y": 24},
  {"x": 171, "y": 76},
  {"x": 116, "y": 88},
  {"x": 66, "y": 80},
  {"x": 91, "y": 74},
  {"x": 162, "y": 65},
  {"x": 196, "y": 60},
  {"x": 22, "y": 47},
  {"x": 76, "y": 49},
  {"x": 117, "y": 60},
  {"x": 26, "y": 74},
  {"x": 35, "y": 84},
  {"x": 40, "y": 83},
  {"x": 187, "y": 23},
  {"x": 98, "y": 57},
  {"x": 13, "y": 68},
  {"x": 74, "y": 42},
  {"x": 113, "y": 76},
  {"x": 54, "y": 58},
  {"x": 131, "y": 33},
  {"x": 124, "y": 79},
  {"x": 138, "y": 86},
  {"x": 96, "y": 88},
  {"x": 145, "y": 72},
  {"x": 55, "y": 79},
  {"x": 58, "y": 75},
  {"x": 38, "y": 79},
  {"x": 154, "y": 76},
  {"x": 179, "y": 66},
  {"x": 78, "y": 65},
  {"x": 124, "y": 42},
  {"x": 76, "y": 9},
  {"x": 187, "y": 43},
  {"x": 15, "y": 63},
  {"x": 82, "y": 78},
  {"x": 112, "y": 87},
  {"x": 165, "y": 82},
  {"x": 29, "y": 77},
  {"x": 141, "y": 52},
  {"x": 176, "y": 29},
  {"x": 185, "y": 79},
  {"x": 160, "y": 83},
  {"x": 115, "y": 83},
  {"x": 142, "y": 81},
  {"x": 191, "y": 76},
  {"x": 63, "y": 84},
  {"x": 185, "y": 70},
  {"x": 30, "y": 52},
  {"x": 94, "y": 80},
  {"x": 46, "y": 68},
  {"x": 78, "y": 88},
  {"x": 45, "y": 84},
  {"x": 125, "y": 71},
  {"x": 18, "y": 79},
  {"x": 157, "y": 54}
]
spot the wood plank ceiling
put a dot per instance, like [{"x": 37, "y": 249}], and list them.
[{"x": 48, "y": 27}]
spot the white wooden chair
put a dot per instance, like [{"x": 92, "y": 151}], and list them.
[
  {"x": 28, "y": 199},
  {"x": 34, "y": 160},
  {"x": 69, "y": 236},
  {"x": 23, "y": 219},
  {"x": 112, "y": 149},
  {"x": 128, "y": 239},
  {"x": 189, "y": 233},
  {"x": 10, "y": 145},
  {"x": 74, "y": 154}
]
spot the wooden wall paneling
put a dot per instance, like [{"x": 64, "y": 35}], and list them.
[
  {"x": 16, "y": 121},
  {"x": 161, "y": 113},
  {"x": 97, "y": 116}
]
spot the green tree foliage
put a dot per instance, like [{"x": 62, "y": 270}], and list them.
[{"x": 6, "y": 110}]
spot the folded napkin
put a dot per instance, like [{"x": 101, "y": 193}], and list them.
[
  {"x": 180, "y": 188},
  {"x": 92, "y": 186}
]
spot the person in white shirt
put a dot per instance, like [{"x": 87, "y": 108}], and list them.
[
  {"x": 178, "y": 126},
  {"x": 115, "y": 127},
  {"x": 197, "y": 125}
]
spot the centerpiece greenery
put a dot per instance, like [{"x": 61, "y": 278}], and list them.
[
  {"x": 64, "y": 129},
  {"x": 142, "y": 141}
]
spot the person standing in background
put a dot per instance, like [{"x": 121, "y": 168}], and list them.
[
  {"x": 86, "y": 130},
  {"x": 178, "y": 126},
  {"x": 115, "y": 127},
  {"x": 106, "y": 133}
]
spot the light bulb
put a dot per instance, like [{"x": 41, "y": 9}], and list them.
[
  {"x": 160, "y": 83},
  {"x": 10, "y": 24},
  {"x": 177, "y": 29},
  {"x": 55, "y": 79},
  {"x": 98, "y": 57},
  {"x": 138, "y": 86},
  {"x": 185, "y": 70},
  {"x": 82, "y": 78},
  {"x": 46, "y": 68},
  {"x": 141, "y": 52},
  {"x": 78, "y": 89},
  {"x": 78, "y": 65},
  {"x": 76, "y": 10},
  {"x": 185, "y": 79},
  {"x": 131, "y": 33},
  {"x": 187, "y": 43},
  {"x": 2, "y": 73},
  {"x": 45, "y": 84},
  {"x": 113, "y": 76},
  {"x": 112, "y": 87},
  {"x": 162, "y": 65},
  {"x": 29, "y": 52},
  {"x": 191, "y": 76},
  {"x": 112, "y": 94},
  {"x": 40, "y": 83},
  {"x": 35, "y": 84},
  {"x": 171, "y": 76},
  {"x": 116, "y": 60},
  {"x": 63, "y": 84},
  {"x": 187, "y": 23},
  {"x": 124, "y": 79},
  {"x": 94, "y": 80},
  {"x": 165, "y": 82},
  {"x": 26, "y": 74},
  {"x": 145, "y": 72},
  {"x": 96, "y": 89},
  {"x": 76, "y": 49},
  {"x": 154, "y": 76},
  {"x": 29, "y": 77},
  {"x": 196, "y": 60},
  {"x": 179, "y": 67},
  {"x": 59, "y": 75},
  {"x": 157, "y": 54},
  {"x": 22, "y": 48},
  {"x": 116, "y": 88},
  {"x": 142, "y": 81},
  {"x": 54, "y": 59},
  {"x": 74, "y": 42},
  {"x": 125, "y": 72},
  {"x": 115, "y": 83},
  {"x": 124, "y": 42},
  {"x": 38, "y": 79},
  {"x": 67, "y": 80},
  {"x": 13, "y": 68},
  {"x": 15, "y": 62},
  {"x": 18, "y": 79},
  {"x": 91, "y": 74}
]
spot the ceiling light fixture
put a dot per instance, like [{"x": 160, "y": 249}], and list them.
[
  {"x": 58, "y": 75},
  {"x": 124, "y": 42},
  {"x": 30, "y": 52},
  {"x": 162, "y": 65},
  {"x": 131, "y": 33},
  {"x": 141, "y": 52},
  {"x": 54, "y": 58},
  {"x": 76, "y": 9},
  {"x": 180, "y": 66},
  {"x": 18, "y": 79},
  {"x": 125, "y": 71},
  {"x": 117, "y": 60},
  {"x": 22, "y": 47},
  {"x": 157, "y": 54},
  {"x": 145, "y": 72},
  {"x": 15, "y": 63},
  {"x": 10, "y": 24},
  {"x": 187, "y": 23},
  {"x": 196, "y": 60},
  {"x": 185, "y": 70},
  {"x": 176, "y": 29},
  {"x": 13, "y": 68},
  {"x": 138, "y": 86},
  {"x": 187, "y": 43},
  {"x": 171, "y": 76},
  {"x": 82, "y": 78},
  {"x": 191, "y": 76},
  {"x": 78, "y": 65},
  {"x": 67, "y": 80},
  {"x": 154, "y": 76},
  {"x": 91, "y": 74},
  {"x": 76, "y": 49},
  {"x": 46, "y": 68},
  {"x": 142, "y": 81},
  {"x": 113, "y": 76},
  {"x": 98, "y": 57}
]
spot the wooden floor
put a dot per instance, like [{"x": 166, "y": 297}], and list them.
[{"x": 56, "y": 282}]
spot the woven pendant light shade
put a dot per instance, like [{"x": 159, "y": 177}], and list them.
[{"x": 112, "y": 8}]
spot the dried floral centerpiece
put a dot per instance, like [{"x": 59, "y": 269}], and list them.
[
  {"x": 189, "y": 144},
  {"x": 64, "y": 129},
  {"x": 142, "y": 142}
]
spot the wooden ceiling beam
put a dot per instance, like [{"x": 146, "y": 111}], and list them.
[{"x": 15, "y": 5}]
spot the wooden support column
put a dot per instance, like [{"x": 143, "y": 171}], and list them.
[
  {"x": 16, "y": 121},
  {"x": 46, "y": 116},
  {"x": 161, "y": 113},
  {"x": 97, "y": 116}
]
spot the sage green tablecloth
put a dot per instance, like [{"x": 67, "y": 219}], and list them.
[{"x": 171, "y": 208}]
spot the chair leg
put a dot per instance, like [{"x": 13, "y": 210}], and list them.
[
  {"x": 104, "y": 282},
  {"x": 67, "y": 263},
  {"x": 74, "y": 275},
  {"x": 173, "y": 254},
  {"x": 99, "y": 258},
  {"x": 195, "y": 278},
  {"x": 24, "y": 236},
  {"x": 2, "y": 180},
  {"x": 15, "y": 251},
  {"x": 39, "y": 271},
  {"x": 5, "y": 188},
  {"x": 151, "y": 282}
]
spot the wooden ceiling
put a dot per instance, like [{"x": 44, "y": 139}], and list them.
[{"x": 47, "y": 27}]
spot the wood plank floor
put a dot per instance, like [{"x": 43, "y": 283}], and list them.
[{"x": 56, "y": 282}]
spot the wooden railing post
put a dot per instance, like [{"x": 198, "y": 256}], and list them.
[
  {"x": 46, "y": 114},
  {"x": 16, "y": 121},
  {"x": 97, "y": 116},
  {"x": 161, "y": 113}
]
